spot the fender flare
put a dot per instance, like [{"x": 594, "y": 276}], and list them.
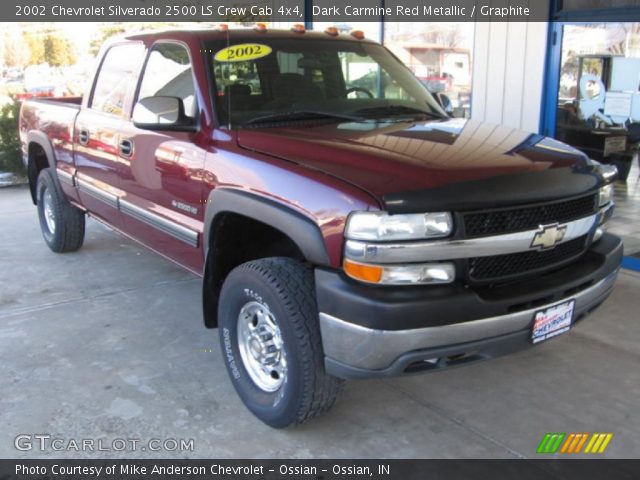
[
  {"x": 303, "y": 231},
  {"x": 36, "y": 136},
  {"x": 41, "y": 139}
]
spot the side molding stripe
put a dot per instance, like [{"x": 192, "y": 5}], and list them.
[
  {"x": 184, "y": 234},
  {"x": 97, "y": 193}
]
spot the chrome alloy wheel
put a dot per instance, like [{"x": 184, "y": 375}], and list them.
[
  {"x": 261, "y": 346},
  {"x": 49, "y": 215}
]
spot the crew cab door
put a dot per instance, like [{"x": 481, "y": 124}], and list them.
[
  {"x": 162, "y": 169},
  {"x": 97, "y": 128}
]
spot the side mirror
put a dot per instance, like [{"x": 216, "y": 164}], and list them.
[{"x": 160, "y": 113}]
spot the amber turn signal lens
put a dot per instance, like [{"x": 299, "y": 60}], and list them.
[
  {"x": 333, "y": 31},
  {"x": 359, "y": 34},
  {"x": 359, "y": 271}
]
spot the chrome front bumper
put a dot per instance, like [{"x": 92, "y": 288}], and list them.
[{"x": 353, "y": 351}]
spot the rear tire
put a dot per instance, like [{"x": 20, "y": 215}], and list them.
[
  {"x": 61, "y": 223},
  {"x": 270, "y": 340}
]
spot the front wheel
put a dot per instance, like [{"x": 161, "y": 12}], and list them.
[{"x": 270, "y": 339}]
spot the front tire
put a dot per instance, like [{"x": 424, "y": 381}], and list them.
[
  {"x": 61, "y": 223},
  {"x": 270, "y": 340}
]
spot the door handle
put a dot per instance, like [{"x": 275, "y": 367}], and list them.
[
  {"x": 126, "y": 147},
  {"x": 83, "y": 137}
]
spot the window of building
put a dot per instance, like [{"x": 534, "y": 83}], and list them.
[
  {"x": 168, "y": 73},
  {"x": 116, "y": 78},
  {"x": 599, "y": 90},
  {"x": 439, "y": 54}
]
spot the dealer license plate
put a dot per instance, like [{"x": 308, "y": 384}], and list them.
[{"x": 552, "y": 321}]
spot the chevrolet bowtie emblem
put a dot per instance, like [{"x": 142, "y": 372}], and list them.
[{"x": 548, "y": 236}]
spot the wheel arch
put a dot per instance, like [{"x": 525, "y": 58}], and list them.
[
  {"x": 276, "y": 230},
  {"x": 40, "y": 155}
]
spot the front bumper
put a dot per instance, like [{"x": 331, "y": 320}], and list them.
[{"x": 383, "y": 331}]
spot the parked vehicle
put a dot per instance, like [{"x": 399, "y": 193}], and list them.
[{"x": 338, "y": 236}]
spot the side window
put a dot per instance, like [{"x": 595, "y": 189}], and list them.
[
  {"x": 115, "y": 78},
  {"x": 168, "y": 73}
]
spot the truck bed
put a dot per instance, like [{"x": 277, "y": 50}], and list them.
[{"x": 54, "y": 117}]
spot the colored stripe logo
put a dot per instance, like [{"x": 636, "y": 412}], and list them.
[{"x": 574, "y": 443}]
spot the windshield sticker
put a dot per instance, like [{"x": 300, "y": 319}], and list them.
[{"x": 242, "y": 52}]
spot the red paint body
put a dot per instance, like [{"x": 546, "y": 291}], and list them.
[{"x": 324, "y": 172}]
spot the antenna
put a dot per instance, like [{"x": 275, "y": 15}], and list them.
[{"x": 228, "y": 89}]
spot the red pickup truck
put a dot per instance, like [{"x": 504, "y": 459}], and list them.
[{"x": 341, "y": 231}]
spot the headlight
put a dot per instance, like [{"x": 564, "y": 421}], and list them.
[
  {"x": 606, "y": 195},
  {"x": 380, "y": 226},
  {"x": 411, "y": 274}
]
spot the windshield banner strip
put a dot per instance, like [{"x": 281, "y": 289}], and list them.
[{"x": 278, "y": 11}]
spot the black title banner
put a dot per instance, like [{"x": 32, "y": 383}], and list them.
[
  {"x": 320, "y": 469},
  {"x": 248, "y": 11}
]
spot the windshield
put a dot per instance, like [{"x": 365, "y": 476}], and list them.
[{"x": 313, "y": 79}]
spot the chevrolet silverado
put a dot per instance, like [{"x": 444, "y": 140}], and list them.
[{"x": 343, "y": 224}]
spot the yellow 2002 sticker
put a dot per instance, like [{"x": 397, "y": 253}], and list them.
[{"x": 242, "y": 52}]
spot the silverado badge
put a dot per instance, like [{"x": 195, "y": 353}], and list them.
[{"x": 548, "y": 236}]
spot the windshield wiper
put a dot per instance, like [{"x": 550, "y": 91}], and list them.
[
  {"x": 396, "y": 110},
  {"x": 300, "y": 115}
]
